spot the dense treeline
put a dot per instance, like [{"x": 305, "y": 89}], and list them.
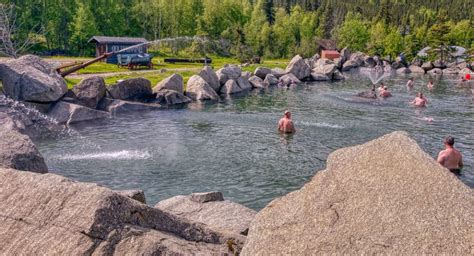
[{"x": 271, "y": 28}]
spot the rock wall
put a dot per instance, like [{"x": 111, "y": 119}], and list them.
[{"x": 383, "y": 197}]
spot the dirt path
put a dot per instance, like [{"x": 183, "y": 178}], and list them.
[{"x": 132, "y": 72}]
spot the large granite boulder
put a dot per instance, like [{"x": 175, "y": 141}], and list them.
[
  {"x": 262, "y": 72},
  {"x": 298, "y": 67},
  {"x": 89, "y": 91},
  {"x": 198, "y": 89},
  {"x": 69, "y": 113},
  {"x": 230, "y": 87},
  {"x": 173, "y": 82},
  {"x": 210, "y": 209},
  {"x": 17, "y": 151},
  {"x": 228, "y": 72},
  {"x": 385, "y": 197},
  {"x": 416, "y": 69},
  {"x": 131, "y": 89},
  {"x": 325, "y": 69},
  {"x": 278, "y": 72},
  {"x": 122, "y": 106},
  {"x": 345, "y": 54},
  {"x": 50, "y": 215},
  {"x": 171, "y": 97},
  {"x": 210, "y": 76},
  {"x": 244, "y": 83},
  {"x": 256, "y": 82},
  {"x": 348, "y": 65},
  {"x": 29, "y": 78},
  {"x": 270, "y": 79}
]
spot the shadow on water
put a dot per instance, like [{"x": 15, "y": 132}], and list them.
[{"x": 233, "y": 146}]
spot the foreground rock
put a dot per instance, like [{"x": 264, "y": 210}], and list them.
[
  {"x": 89, "y": 91},
  {"x": 30, "y": 78},
  {"x": 170, "y": 97},
  {"x": 173, "y": 82},
  {"x": 49, "y": 214},
  {"x": 211, "y": 209},
  {"x": 227, "y": 73},
  {"x": 198, "y": 89},
  {"x": 121, "y": 106},
  {"x": 383, "y": 197},
  {"x": 298, "y": 68},
  {"x": 18, "y": 151},
  {"x": 131, "y": 89},
  {"x": 230, "y": 87},
  {"x": 69, "y": 113}
]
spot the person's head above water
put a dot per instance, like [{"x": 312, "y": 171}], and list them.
[
  {"x": 449, "y": 141},
  {"x": 287, "y": 113},
  {"x": 419, "y": 94}
]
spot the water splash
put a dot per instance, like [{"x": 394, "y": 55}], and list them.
[
  {"x": 320, "y": 125},
  {"x": 375, "y": 74},
  {"x": 115, "y": 155}
]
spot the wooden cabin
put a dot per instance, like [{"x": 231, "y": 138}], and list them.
[{"x": 104, "y": 44}]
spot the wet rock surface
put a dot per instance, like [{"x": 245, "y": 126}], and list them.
[
  {"x": 69, "y": 113},
  {"x": 383, "y": 197}
]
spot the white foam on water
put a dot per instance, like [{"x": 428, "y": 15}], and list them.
[
  {"x": 117, "y": 155},
  {"x": 322, "y": 125}
]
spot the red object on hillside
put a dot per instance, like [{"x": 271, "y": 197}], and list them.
[
  {"x": 329, "y": 54},
  {"x": 468, "y": 76}
]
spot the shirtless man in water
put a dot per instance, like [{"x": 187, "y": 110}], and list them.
[
  {"x": 384, "y": 93},
  {"x": 451, "y": 158},
  {"x": 420, "y": 100},
  {"x": 285, "y": 125},
  {"x": 410, "y": 84}
]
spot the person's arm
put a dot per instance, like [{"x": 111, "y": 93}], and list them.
[
  {"x": 280, "y": 125},
  {"x": 441, "y": 158}
]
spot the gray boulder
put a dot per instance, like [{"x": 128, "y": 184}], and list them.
[
  {"x": 209, "y": 75},
  {"x": 64, "y": 217},
  {"x": 345, "y": 54},
  {"x": 212, "y": 210},
  {"x": 417, "y": 62},
  {"x": 385, "y": 197},
  {"x": 270, "y": 79},
  {"x": 230, "y": 87},
  {"x": 262, "y": 72},
  {"x": 246, "y": 74},
  {"x": 319, "y": 77},
  {"x": 89, "y": 91},
  {"x": 451, "y": 71},
  {"x": 397, "y": 65},
  {"x": 122, "y": 106},
  {"x": 348, "y": 65},
  {"x": 133, "y": 88},
  {"x": 435, "y": 71},
  {"x": 256, "y": 82},
  {"x": 439, "y": 64},
  {"x": 173, "y": 82},
  {"x": 244, "y": 83},
  {"x": 7, "y": 122},
  {"x": 326, "y": 69},
  {"x": 278, "y": 72},
  {"x": 416, "y": 69},
  {"x": 135, "y": 194},
  {"x": 17, "y": 151},
  {"x": 229, "y": 72},
  {"x": 298, "y": 67},
  {"x": 288, "y": 79},
  {"x": 338, "y": 62},
  {"x": 403, "y": 70},
  {"x": 358, "y": 58},
  {"x": 198, "y": 89},
  {"x": 170, "y": 97},
  {"x": 29, "y": 78},
  {"x": 427, "y": 66},
  {"x": 338, "y": 76},
  {"x": 369, "y": 62},
  {"x": 69, "y": 113}
]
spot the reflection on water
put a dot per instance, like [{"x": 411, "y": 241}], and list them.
[{"x": 233, "y": 146}]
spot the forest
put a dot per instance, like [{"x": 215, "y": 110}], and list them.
[{"x": 243, "y": 28}]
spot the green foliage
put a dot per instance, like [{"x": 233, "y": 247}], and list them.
[
  {"x": 353, "y": 33},
  {"x": 83, "y": 27}
]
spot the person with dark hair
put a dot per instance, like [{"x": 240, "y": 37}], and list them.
[
  {"x": 410, "y": 83},
  {"x": 285, "y": 125},
  {"x": 420, "y": 100},
  {"x": 430, "y": 85},
  {"x": 450, "y": 157},
  {"x": 385, "y": 93}
]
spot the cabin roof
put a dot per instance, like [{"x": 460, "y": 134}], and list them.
[{"x": 118, "y": 40}]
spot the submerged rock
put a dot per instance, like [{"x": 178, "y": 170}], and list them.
[
  {"x": 198, "y": 89},
  {"x": 383, "y": 197},
  {"x": 173, "y": 82},
  {"x": 30, "y": 78},
  {"x": 212, "y": 210},
  {"x": 89, "y": 91},
  {"x": 17, "y": 151},
  {"x": 170, "y": 97},
  {"x": 298, "y": 68},
  {"x": 131, "y": 89},
  {"x": 49, "y": 214},
  {"x": 69, "y": 113}
]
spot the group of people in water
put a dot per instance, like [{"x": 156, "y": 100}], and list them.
[{"x": 450, "y": 157}]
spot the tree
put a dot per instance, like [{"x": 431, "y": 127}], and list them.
[
  {"x": 353, "y": 33},
  {"x": 253, "y": 28},
  {"x": 83, "y": 28},
  {"x": 393, "y": 43}
]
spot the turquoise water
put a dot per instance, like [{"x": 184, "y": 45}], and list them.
[{"x": 233, "y": 146}]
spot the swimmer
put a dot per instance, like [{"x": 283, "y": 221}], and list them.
[
  {"x": 428, "y": 119},
  {"x": 385, "y": 93},
  {"x": 381, "y": 87},
  {"x": 285, "y": 125},
  {"x": 430, "y": 85},
  {"x": 450, "y": 158},
  {"x": 420, "y": 100},
  {"x": 410, "y": 84}
]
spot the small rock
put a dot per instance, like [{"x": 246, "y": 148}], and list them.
[
  {"x": 338, "y": 76},
  {"x": 256, "y": 82},
  {"x": 246, "y": 74},
  {"x": 417, "y": 62},
  {"x": 133, "y": 88},
  {"x": 135, "y": 194},
  {"x": 207, "y": 197},
  {"x": 89, "y": 91},
  {"x": 270, "y": 80},
  {"x": 173, "y": 82},
  {"x": 451, "y": 71},
  {"x": 345, "y": 54},
  {"x": 121, "y": 106},
  {"x": 348, "y": 65},
  {"x": 262, "y": 72},
  {"x": 397, "y": 65},
  {"x": 170, "y": 97},
  {"x": 244, "y": 83},
  {"x": 439, "y": 64}
]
